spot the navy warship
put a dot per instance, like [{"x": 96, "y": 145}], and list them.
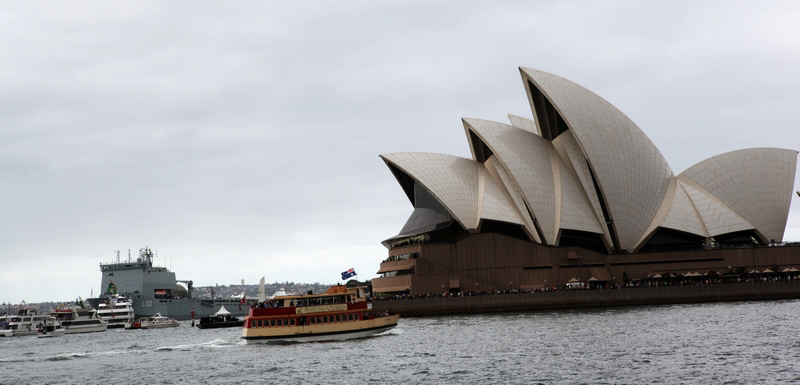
[{"x": 153, "y": 289}]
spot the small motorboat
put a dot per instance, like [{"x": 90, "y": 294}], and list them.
[
  {"x": 159, "y": 321},
  {"x": 135, "y": 324},
  {"x": 221, "y": 319},
  {"x": 51, "y": 328},
  {"x": 80, "y": 320}
]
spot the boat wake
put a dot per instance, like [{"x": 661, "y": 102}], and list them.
[
  {"x": 131, "y": 350},
  {"x": 272, "y": 342},
  {"x": 65, "y": 357},
  {"x": 392, "y": 332},
  {"x": 217, "y": 343}
]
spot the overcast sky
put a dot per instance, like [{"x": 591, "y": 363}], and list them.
[{"x": 241, "y": 139}]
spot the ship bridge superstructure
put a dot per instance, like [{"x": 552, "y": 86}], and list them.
[{"x": 139, "y": 276}]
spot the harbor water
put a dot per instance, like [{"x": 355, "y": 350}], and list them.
[{"x": 733, "y": 343}]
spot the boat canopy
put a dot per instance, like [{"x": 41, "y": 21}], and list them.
[
  {"x": 280, "y": 293},
  {"x": 222, "y": 311}
]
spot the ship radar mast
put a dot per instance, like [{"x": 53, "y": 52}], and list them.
[{"x": 147, "y": 256}]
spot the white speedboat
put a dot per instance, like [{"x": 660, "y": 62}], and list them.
[
  {"x": 52, "y": 328},
  {"x": 158, "y": 321},
  {"x": 80, "y": 320},
  {"x": 116, "y": 310}
]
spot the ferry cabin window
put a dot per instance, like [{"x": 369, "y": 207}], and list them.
[
  {"x": 319, "y": 320},
  {"x": 338, "y": 318},
  {"x": 291, "y": 322},
  {"x": 272, "y": 322},
  {"x": 311, "y": 320},
  {"x": 252, "y": 324}
]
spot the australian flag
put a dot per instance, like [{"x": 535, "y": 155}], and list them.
[{"x": 349, "y": 273}]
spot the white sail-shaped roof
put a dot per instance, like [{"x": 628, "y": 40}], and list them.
[
  {"x": 573, "y": 158},
  {"x": 717, "y": 217},
  {"x": 583, "y": 170},
  {"x": 630, "y": 171},
  {"x": 677, "y": 212},
  {"x": 461, "y": 185},
  {"x": 527, "y": 158},
  {"x": 756, "y": 184},
  {"x": 514, "y": 195},
  {"x": 576, "y": 212},
  {"x": 494, "y": 204},
  {"x": 524, "y": 123}
]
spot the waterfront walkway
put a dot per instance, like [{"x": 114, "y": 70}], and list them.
[{"x": 672, "y": 290}]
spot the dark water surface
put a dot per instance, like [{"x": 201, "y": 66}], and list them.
[{"x": 734, "y": 343}]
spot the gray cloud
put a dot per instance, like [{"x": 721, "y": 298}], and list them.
[{"x": 240, "y": 140}]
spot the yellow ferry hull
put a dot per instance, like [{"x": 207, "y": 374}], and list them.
[{"x": 324, "y": 332}]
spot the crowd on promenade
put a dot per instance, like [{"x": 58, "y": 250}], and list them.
[{"x": 665, "y": 281}]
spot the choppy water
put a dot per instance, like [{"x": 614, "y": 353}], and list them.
[{"x": 735, "y": 343}]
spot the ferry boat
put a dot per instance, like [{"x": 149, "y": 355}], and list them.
[
  {"x": 340, "y": 313},
  {"x": 26, "y": 322},
  {"x": 158, "y": 321},
  {"x": 154, "y": 289},
  {"x": 116, "y": 310},
  {"x": 80, "y": 320}
]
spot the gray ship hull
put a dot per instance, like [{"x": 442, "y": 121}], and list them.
[
  {"x": 181, "y": 308},
  {"x": 154, "y": 289}
]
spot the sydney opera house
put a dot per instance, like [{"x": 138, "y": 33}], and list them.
[{"x": 579, "y": 193}]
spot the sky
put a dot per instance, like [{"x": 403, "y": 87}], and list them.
[{"x": 240, "y": 140}]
